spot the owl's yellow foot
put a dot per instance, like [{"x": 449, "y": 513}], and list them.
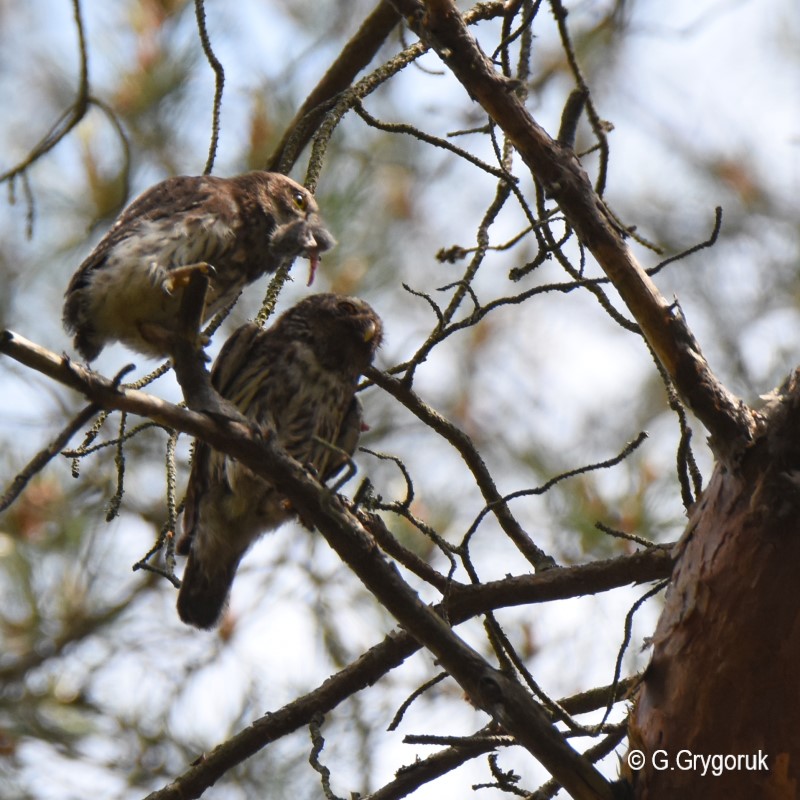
[{"x": 181, "y": 277}]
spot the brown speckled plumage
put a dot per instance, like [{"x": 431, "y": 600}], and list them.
[
  {"x": 298, "y": 379},
  {"x": 243, "y": 227}
]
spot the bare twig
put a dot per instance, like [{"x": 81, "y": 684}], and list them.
[
  {"x": 45, "y": 455},
  {"x": 219, "y": 82},
  {"x": 710, "y": 242},
  {"x": 318, "y": 743},
  {"x": 659, "y": 587},
  {"x": 422, "y": 771},
  {"x": 628, "y": 537},
  {"x": 545, "y": 487},
  {"x": 598, "y": 127},
  {"x": 119, "y": 463},
  {"x": 488, "y": 688},
  {"x": 418, "y": 692},
  {"x": 436, "y": 141},
  {"x": 570, "y": 117},
  {"x": 730, "y": 422},
  {"x": 473, "y": 460},
  {"x": 355, "y": 55}
]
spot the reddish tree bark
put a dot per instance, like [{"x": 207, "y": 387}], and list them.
[{"x": 723, "y": 679}]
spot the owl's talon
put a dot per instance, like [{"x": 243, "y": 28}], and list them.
[
  {"x": 199, "y": 343},
  {"x": 180, "y": 277},
  {"x": 217, "y": 407}
]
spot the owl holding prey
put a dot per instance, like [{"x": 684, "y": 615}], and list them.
[
  {"x": 232, "y": 229},
  {"x": 296, "y": 381}
]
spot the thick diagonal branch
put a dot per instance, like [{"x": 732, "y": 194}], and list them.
[
  {"x": 504, "y": 699},
  {"x": 380, "y": 659},
  {"x": 556, "y": 167}
]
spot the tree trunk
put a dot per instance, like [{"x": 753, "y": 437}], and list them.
[{"x": 724, "y": 679}]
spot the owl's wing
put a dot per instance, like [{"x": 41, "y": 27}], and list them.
[
  {"x": 176, "y": 204},
  {"x": 196, "y": 489},
  {"x": 249, "y": 371},
  {"x": 235, "y": 375},
  {"x": 347, "y": 440}
]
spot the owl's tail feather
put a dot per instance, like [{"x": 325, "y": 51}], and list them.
[{"x": 204, "y": 591}]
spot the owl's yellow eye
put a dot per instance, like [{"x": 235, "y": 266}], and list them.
[{"x": 300, "y": 200}]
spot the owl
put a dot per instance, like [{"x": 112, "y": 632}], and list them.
[
  {"x": 233, "y": 229},
  {"x": 296, "y": 381}
]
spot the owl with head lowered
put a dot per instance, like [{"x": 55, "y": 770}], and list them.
[
  {"x": 296, "y": 381},
  {"x": 234, "y": 230}
]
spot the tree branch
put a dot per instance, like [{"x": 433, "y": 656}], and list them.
[
  {"x": 380, "y": 659},
  {"x": 556, "y": 167},
  {"x": 503, "y": 699},
  {"x": 409, "y": 778},
  {"x": 355, "y": 55},
  {"x": 219, "y": 82},
  {"x": 71, "y": 117},
  {"x": 467, "y": 450},
  {"x": 44, "y": 456}
]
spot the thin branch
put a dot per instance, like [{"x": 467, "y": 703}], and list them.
[
  {"x": 591, "y": 700},
  {"x": 598, "y": 127},
  {"x": 502, "y": 193},
  {"x": 710, "y": 242},
  {"x": 355, "y": 55},
  {"x": 45, "y": 455},
  {"x": 410, "y": 130},
  {"x": 731, "y": 423},
  {"x": 545, "y": 487},
  {"x": 219, "y": 82},
  {"x": 71, "y": 117},
  {"x": 505, "y": 781},
  {"x": 410, "y": 778},
  {"x": 628, "y": 537},
  {"x": 88, "y": 449},
  {"x": 318, "y": 743},
  {"x": 570, "y": 117},
  {"x": 482, "y": 736},
  {"x": 467, "y": 450},
  {"x": 119, "y": 463},
  {"x": 418, "y": 692},
  {"x": 409, "y": 498},
  {"x": 659, "y": 587}
]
